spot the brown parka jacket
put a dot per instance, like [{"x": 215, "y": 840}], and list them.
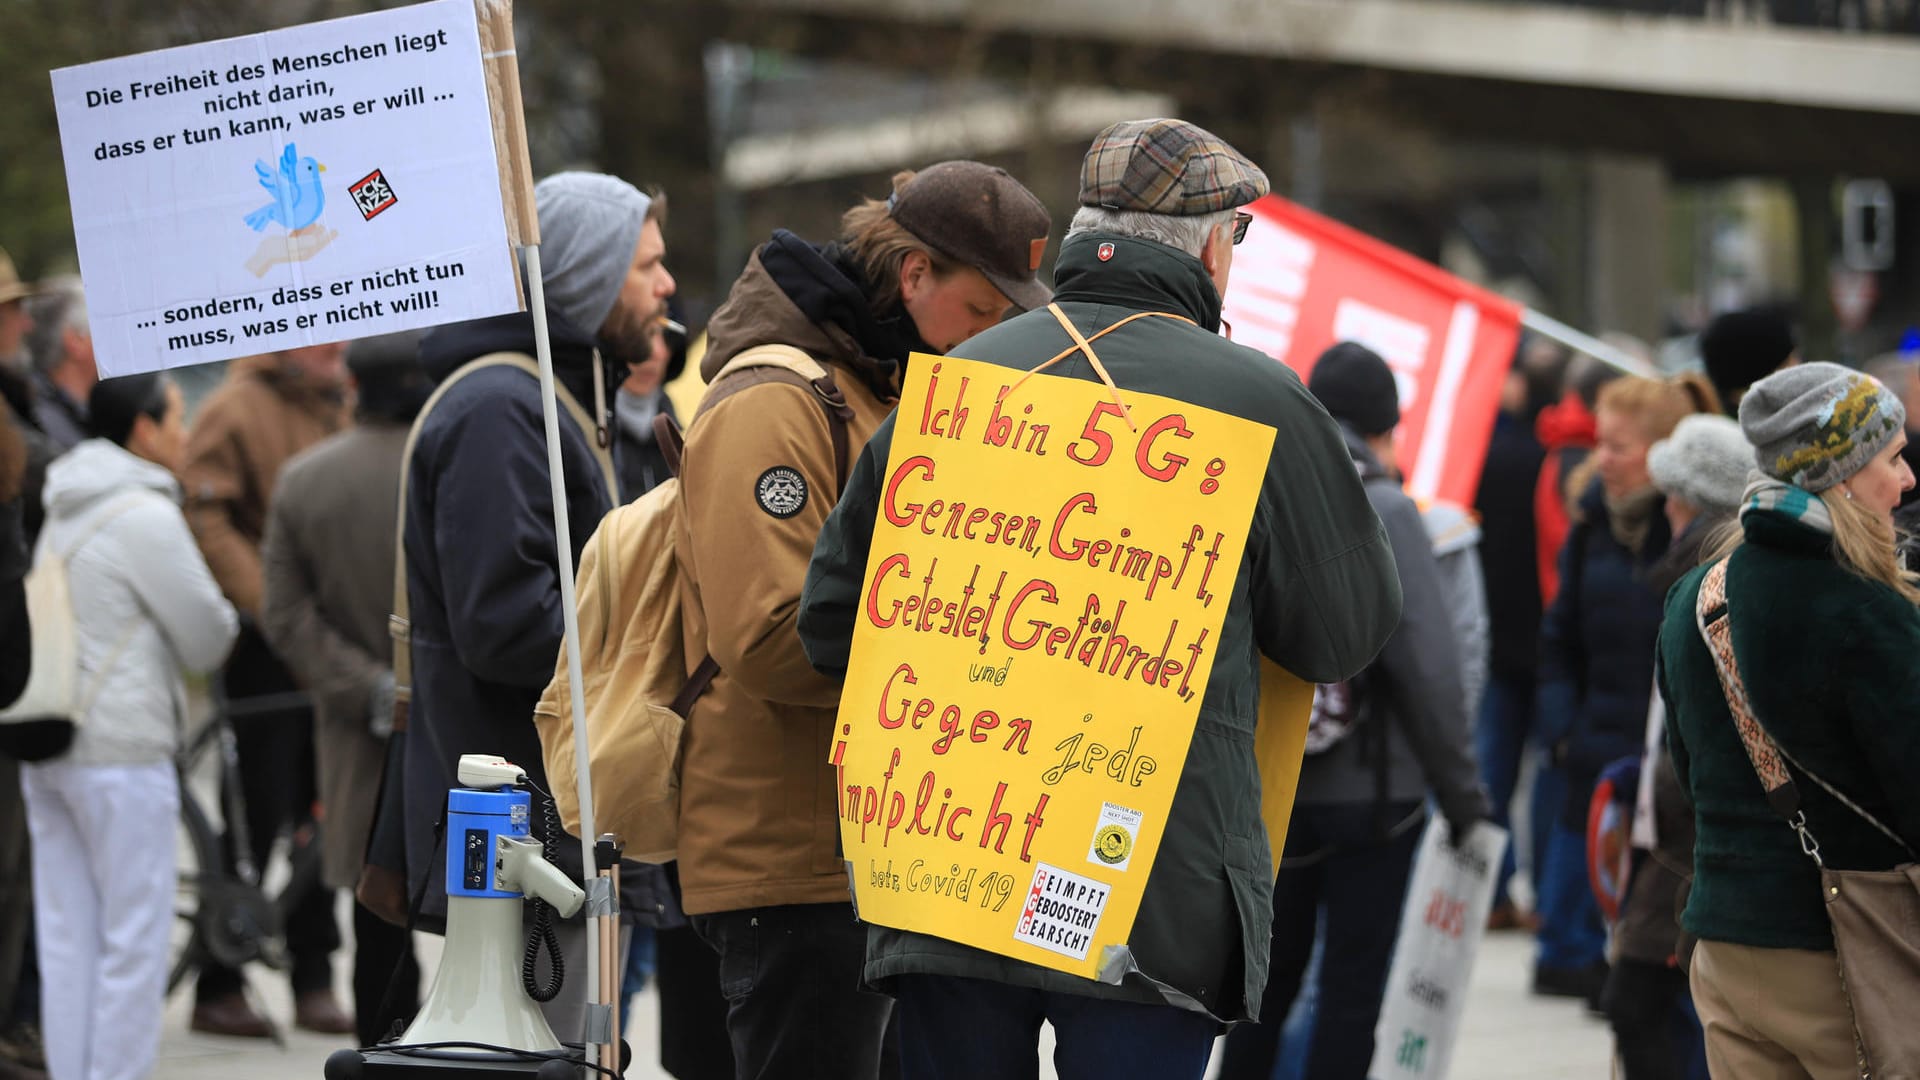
[
  {"x": 258, "y": 419},
  {"x": 757, "y": 821}
]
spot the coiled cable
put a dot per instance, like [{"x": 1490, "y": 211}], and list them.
[{"x": 542, "y": 935}]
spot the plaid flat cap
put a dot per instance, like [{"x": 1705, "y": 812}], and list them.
[{"x": 1167, "y": 167}]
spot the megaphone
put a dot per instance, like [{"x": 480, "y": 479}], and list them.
[{"x": 477, "y": 1018}]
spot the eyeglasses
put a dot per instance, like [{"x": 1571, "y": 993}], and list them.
[{"x": 1241, "y": 219}]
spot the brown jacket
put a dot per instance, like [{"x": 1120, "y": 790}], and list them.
[
  {"x": 245, "y": 432},
  {"x": 328, "y": 558},
  {"x": 757, "y": 821}
]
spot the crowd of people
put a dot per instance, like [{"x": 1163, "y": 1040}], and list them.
[{"x": 1540, "y": 647}]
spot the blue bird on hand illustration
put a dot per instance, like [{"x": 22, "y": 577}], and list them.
[{"x": 298, "y": 197}]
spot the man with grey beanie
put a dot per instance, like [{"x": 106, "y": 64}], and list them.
[{"x": 482, "y": 569}]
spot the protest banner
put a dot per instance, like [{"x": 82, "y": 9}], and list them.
[
  {"x": 1303, "y": 282},
  {"x": 1441, "y": 927},
  {"x": 313, "y": 184},
  {"x": 1044, "y": 595}
]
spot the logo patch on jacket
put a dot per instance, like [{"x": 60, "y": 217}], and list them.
[
  {"x": 781, "y": 491},
  {"x": 1105, "y": 252}
]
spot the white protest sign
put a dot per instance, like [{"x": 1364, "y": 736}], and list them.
[
  {"x": 313, "y": 184},
  {"x": 1440, "y": 930}
]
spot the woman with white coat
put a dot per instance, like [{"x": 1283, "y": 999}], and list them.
[{"x": 101, "y": 816}]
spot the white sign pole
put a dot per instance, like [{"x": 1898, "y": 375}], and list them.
[
  {"x": 1556, "y": 330},
  {"x": 495, "y": 19},
  {"x": 570, "y": 618}
]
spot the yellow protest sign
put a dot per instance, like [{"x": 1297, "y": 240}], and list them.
[{"x": 1043, "y": 598}]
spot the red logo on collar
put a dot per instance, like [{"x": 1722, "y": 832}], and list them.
[{"x": 1105, "y": 252}]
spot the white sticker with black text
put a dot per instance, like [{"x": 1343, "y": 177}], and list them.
[{"x": 1062, "y": 911}]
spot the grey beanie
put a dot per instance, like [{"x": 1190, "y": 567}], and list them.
[
  {"x": 1705, "y": 462},
  {"x": 1814, "y": 425},
  {"x": 589, "y": 227}
]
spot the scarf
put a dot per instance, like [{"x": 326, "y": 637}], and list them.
[
  {"x": 1630, "y": 517},
  {"x": 1766, "y": 495},
  {"x": 635, "y": 413}
]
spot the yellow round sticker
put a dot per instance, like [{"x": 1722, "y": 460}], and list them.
[{"x": 1113, "y": 844}]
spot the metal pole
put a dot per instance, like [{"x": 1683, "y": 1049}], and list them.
[
  {"x": 570, "y": 619},
  {"x": 1582, "y": 343}
]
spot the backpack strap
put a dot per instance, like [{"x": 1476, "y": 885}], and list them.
[
  {"x": 399, "y": 623},
  {"x": 796, "y": 367},
  {"x": 762, "y": 364},
  {"x": 1769, "y": 760}
]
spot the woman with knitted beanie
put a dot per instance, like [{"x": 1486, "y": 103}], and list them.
[
  {"x": 1824, "y": 631},
  {"x": 1596, "y": 657}
]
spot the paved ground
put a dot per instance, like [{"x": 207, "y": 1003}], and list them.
[{"x": 1507, "y": 1034}]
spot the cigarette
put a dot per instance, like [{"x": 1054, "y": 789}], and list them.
[{"x": 669, "y": 324}]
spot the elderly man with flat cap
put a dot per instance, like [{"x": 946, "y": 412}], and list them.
[{"x": 1160, "y": 211}]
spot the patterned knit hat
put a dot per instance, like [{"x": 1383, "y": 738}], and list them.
[
  {"x": 1815, "y": 425},
  {"x": 1167, "y": 167}
]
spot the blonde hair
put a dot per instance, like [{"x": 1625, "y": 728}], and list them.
[
  {"x": 1864, "y": 544},
  {"x": 1659, "y": 404},
  {"x": 1655, "y": 405},
  {"x": 881, "y": 245}
]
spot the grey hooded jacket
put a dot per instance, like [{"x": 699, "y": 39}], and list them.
[{"x": 1425, "y": 684}]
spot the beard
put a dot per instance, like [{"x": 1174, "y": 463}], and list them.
[{"x": 628, "y": 338}]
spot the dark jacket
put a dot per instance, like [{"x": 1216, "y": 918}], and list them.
[
  {"x": 1827, "y": 657},
  {"x": 1316, "y": 593},
  {"x": 63, "y": 419},
  {"x": 482, "y": 569},
  {"x": 1417, "y": 689},
  {"x": 16, "y": 638},
  {"x": 1509, "y": 540},
  {"x": 1596, "y": 650},
  {"x": 16, "y": 408},
  {"x": 1649, "y": 929}
]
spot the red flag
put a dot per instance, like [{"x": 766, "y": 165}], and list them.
[{"x": 1302, "y": 282}]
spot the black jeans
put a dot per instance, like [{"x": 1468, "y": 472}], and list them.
[
  {"x": 280, "y": 787},
  {"x": 1335, "y": 860},
  {"x": 1642, "y": 1003},
  {"x": 693, "y": 1015},
  {"x": 791, "y": 977},
  {"x": 380, "y": 949}
]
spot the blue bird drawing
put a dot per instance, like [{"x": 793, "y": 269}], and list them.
[{"x": 298, "y": 197}]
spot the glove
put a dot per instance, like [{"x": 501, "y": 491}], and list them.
[
  {"x": 1462, "y": 812},
  {"x": 380, "y": 706}
]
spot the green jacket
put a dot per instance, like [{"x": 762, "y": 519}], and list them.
[
  {"x": 1317, "y": 592},
  {"x": 1829, "y": 662}
]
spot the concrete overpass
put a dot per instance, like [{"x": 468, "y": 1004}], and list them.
[{"x": 1709, "y": 88}]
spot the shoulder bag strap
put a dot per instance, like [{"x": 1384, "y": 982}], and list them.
[
  {"x": 399, "y": 623},
  {"x": 100, "y": 521},
  {"x": 1083, "y": 343},
  {"x": 1714, "y": 621}
]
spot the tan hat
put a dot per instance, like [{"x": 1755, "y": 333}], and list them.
[
  {"x": 11, "y": 287},
  {"x": 979, "y": 216},
  {"x": 1170, "y": 167}
]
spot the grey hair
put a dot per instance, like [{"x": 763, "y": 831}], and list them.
[
  {"x": 59, "y": 306},
  {"x": 1188, "y": 234}
]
